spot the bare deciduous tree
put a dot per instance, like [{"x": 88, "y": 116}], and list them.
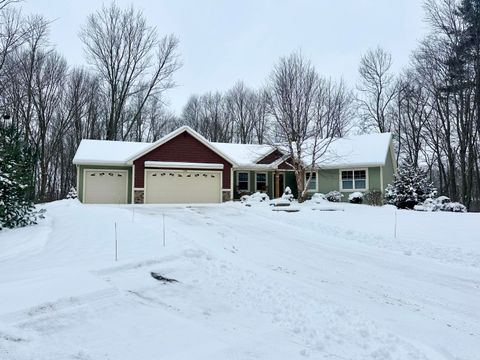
[
  {"x": 376, "y": 90},
  {"x": 293, "y": 96},
  {"x": 130, "y": 59}
]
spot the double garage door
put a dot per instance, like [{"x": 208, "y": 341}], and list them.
[
  {"x": 162, "y": 186},
  {"x": 166, "y": 186}
]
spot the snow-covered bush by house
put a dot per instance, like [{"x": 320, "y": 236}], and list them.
[
  {"x": 355, "y": 197},
  {"x": 334, "y": 196},
  {"x": 319, "y": 197},
  {"x": 255, "y": 198},
  {"x": 410, "y": 187},
  {"x": 373, "y": 197},
  {"x": 287, "y": 194},
  {"x": 16, "y": 181},
  {"x": 72, "y": 194}
]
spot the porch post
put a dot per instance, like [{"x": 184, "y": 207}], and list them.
[{"x": 277, "y": 184}]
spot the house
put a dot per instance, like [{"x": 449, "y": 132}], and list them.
[{"x": 184, "y": 167}]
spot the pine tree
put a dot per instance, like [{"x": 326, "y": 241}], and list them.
[
  {"x": 72, "y": 193},
  {"x": 410, "y": 187},
  {"x": 16, "y": 179}
]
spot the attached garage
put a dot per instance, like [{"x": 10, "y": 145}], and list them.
[
  {"x": 105, "y": 186},
  {"x": 182, "y": 167},
  {"x": 169, "y": 186}
]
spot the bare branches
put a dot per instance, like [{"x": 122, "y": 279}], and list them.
[
  {"x": 125, "y": 50},
  {"x": 376, "y": 90},
  {"x": 308, "y": 112}
]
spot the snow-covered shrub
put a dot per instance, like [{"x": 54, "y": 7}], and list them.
[
  {"x": 373, "y": 197},
  {"x": 442, "y": 200},
  {"x": 355, "y": 197},
  {"x": 334, "y": 196},
  {"x": 72, "y": 194},
  {"x": 442, "y": 203},
  {"x": 16, "y": 181},
  {"x": 410, "y": 187},
  {"x": 287, "y": 194},
  {"x": 454, "y": 207},
  {"x": 428, "y": 205},
  {"x": 319, "y": 197},
  {"x": 255, "y": 198}
]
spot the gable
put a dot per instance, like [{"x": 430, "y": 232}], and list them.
[
  {"x": 185, "y": 148},
  {"x": 174, "y": 134},
  {"x": 270, "y": 158}
]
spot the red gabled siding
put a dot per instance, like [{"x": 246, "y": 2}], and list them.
[
  {"x": 284, "y": 165},
  {"x": 182, "y": 148},
  {"x": 270, "y": 158}
]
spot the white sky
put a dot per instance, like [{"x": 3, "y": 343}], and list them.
[{"x": 225, "y": 41}]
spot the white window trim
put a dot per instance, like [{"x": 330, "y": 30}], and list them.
[
  {"x": 266, "y": 180},
  {"x": 354, "y": 189},
  {"x": 316, "y": 181},
  {"x": 248, "y": 180}
]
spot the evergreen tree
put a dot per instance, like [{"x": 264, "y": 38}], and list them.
[
  {"x": 16, "y": 179},
  {"x": 72, "y": 193},
  {"x": 410, "y": 187}
]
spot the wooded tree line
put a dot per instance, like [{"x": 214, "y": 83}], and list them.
[
  {"x": 431, "y": 107},
  {"x": 54, "y": 106}
]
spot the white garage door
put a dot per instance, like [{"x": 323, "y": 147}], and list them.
[
  {"x": 164, "y": 186},
  {"x": 105, "y": 186}
]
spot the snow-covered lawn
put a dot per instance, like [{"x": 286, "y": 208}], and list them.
[{"x": 253, "y": 284}]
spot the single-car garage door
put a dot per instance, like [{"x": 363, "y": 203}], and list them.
[
  {"x": 165, "y": 186},
  {"x": 105, "y": 186}
]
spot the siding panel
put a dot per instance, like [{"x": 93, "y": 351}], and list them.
[{"x": 182, "y": 148}]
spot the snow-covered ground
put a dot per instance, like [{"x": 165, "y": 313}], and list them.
[{"x": 253, "y": 284}]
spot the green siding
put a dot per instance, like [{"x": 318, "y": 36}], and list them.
[
  {"x": 388, "y": 170},
  {"x": 374, "y": 178},
  {"x": 83, "y": 167},
  {"x": 328, "y": 180},
  {"x": 270, "y": 184},
  {"x": 251, "y": 185}
]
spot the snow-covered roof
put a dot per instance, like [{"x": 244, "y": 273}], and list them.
[
  {"x": 244, "y": 154},
  {"x": 360, "y": 150},
  {"x": 105, "y": 152}
]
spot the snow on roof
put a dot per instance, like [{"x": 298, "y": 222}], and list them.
[
  {"x": 244, "y": 154},
  {"x": 360, "y": 150},
  {"x": 102, "y": 152}
]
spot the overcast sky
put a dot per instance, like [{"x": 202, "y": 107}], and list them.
[{"x": 225, "y": 41}]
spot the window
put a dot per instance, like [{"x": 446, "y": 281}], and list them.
[
  {"x": 243, "y": 181},
  {"x": 312, "y": 185},
  {"x": 261, "y": 184},
  {"x": 354, "y": 180}
]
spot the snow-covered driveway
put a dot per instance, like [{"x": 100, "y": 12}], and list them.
[{"x": 253, "y": 284}]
